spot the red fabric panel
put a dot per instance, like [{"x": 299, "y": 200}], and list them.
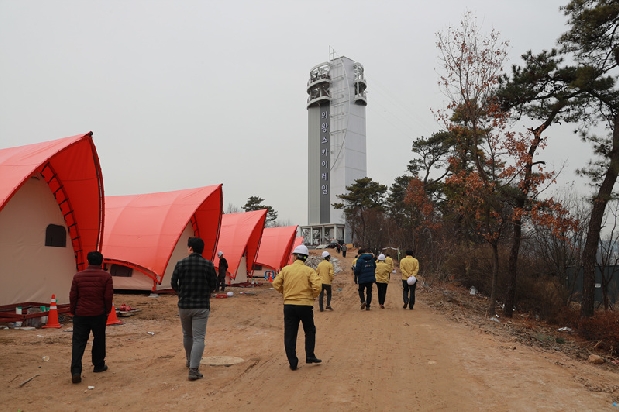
[
  {"x": 275, "y": 246},
  {"x": 71, "y": 168},
  {"x": 240, "y": 233},
  {"x": 144, "y": 229}
]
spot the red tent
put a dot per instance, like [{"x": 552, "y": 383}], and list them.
[
  {"x": 48, "y": 190},
  {"x": 148, "y": 233},
  {"x": 276, "y": 246},
  {"x": 239, "y": 240}
]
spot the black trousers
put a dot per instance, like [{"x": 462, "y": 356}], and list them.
[
  {"x": 221, "y": 282},
  {"x": 382, "y": 292},
  {"x": 363, "y": 287},
  {"x": 328, "y": 289},
  {"x": 408, "y": 294},
  {"x": 293, "y": 314},
  {"x": 82, "y": 325}
]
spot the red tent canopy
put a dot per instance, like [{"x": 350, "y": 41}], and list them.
[
  {"x": 240, "y": 234},
  {"x": 70, "y": 167},
  {"x": 275, "y": 246},
  {"x": 142, "y": 231}
]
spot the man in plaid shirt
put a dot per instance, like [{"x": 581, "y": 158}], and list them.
[{"x": 193, "y": 279}]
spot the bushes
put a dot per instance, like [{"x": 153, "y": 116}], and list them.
[{"x": 602, "y": 328}]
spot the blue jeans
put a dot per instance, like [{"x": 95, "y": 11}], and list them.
[{"x": 193, "y": 322}]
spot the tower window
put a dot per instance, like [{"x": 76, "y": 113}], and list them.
[{"x": 55, "y": 236}]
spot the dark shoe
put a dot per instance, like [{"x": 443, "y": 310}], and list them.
[
  {"x": 76, "y": 378},
  {"x": 194, "y": 374},
  {"x": 293, "y": 365},
  {"x": 363, "y": 305},
  {"x": 312, "y": 359},
  {"x": 405, "y": 305},
  {"x": 367, "y": 308},
  {"x": 101, "y": 369},
  {"x": 382, "y": 306},
  {"x": 329, "y": 308},
  {"x": 411, "y": 308}
]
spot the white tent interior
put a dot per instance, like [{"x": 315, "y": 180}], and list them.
[{"x": 31, "y": 271}]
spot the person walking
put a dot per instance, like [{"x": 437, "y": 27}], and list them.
[
  {"x": 90, "y": 302},
  {"x": 383, "y": 273},
  {"x": 325, "y": 272},
  {"x": 352, "y": 267},
  {"x": 344, "y": 249},
  {"x": 223, "y": 269},
  {"x": 389, "y": 262},
  {"x": 409, "y": 266},
  {"x": 299, "y": 285},
  {"x": 365, "y": 271},
  {"x": 193, "y": 279}
]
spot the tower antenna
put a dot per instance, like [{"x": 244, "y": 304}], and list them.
[{"x": 332, "y": 53}]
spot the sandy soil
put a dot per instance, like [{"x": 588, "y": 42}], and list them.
[{"x": 434, "y": 358}]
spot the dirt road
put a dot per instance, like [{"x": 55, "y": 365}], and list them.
[{"x": 378, "y": 360}]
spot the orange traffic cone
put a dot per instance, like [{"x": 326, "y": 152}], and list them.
[
  {"x": 112, "y": 319},
  {"x": 52, "y": 317}
]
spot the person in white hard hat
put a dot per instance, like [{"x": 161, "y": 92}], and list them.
[
  {"x": 325, "y": 271},
  {"x": 221, "y": 272},
  {"x": 409, "y": 266},
  {"x": 383, "y": 270},
  {"x": 300, "y": 285}
]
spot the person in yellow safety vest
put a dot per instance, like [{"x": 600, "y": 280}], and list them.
[
  {"x": 389, "y": 262},
  {"x": 409, "y": 266},
  {"x": 354, "y": 263},
  {"x": 383, "y": 273},
  {"x": 300, "y": 285},
  {"x": 325, "y": 271}
]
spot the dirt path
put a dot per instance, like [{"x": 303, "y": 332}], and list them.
[{"x": 377, "y": 360}]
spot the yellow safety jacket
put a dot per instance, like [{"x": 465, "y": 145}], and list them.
[
  {"x": 325, "y": 271},
  {"x": 382, "y": 272},
  {"x": 409, "y": 266},
  {"x": 298, "y": 283}
]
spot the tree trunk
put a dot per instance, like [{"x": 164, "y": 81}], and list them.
[
  {"x": 495, "y": 277},
  {"x": 595, "y": 226},
  {"x": 512, "y": 267},
  {"x": 512, "y": 270}
]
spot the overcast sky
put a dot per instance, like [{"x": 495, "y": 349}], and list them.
[{"x": 182, "y": 94}]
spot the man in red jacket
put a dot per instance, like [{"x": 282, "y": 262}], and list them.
[{"x": 90, "y": 302}]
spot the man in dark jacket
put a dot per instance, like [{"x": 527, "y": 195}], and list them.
[
  {"x": 223, "y": 269},
  {"x": 194, "y": 279},
  {"x": 365, "y": 272},
  {"x": 90, "y": 302}
]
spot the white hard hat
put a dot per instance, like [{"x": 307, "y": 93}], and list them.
[
  {"x": 220, "y": 253},
  {"x": 325, "y": 254},
  {"x": 381, "y": 257},
  {"x": 301, "y": 250}
]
